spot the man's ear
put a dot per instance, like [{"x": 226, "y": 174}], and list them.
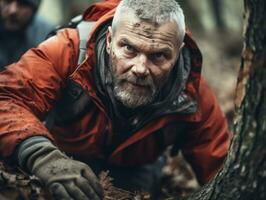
[{"x": 109, "y": 39}]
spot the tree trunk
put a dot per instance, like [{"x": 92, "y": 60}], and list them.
[
  {"x": 192, "y": 14},
  {"x": 217, "y": 10},
  {"x": 244, "y": 174}
]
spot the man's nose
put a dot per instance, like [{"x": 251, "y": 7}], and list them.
[
  {"x": 140, "y": 68},
  {"x": 13, "y": 7}
]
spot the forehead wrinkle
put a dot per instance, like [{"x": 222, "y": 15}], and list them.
[
  {"x": 169, "y": 34},
  {"x": 157, "y": 39},
  {"x": 155, "y": 35},
  {"x": 148, "y": 45},
  {"x": 144, "y": 28}
]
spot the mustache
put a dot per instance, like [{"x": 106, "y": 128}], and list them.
[
  {"x": 142, "y": 81},
  {"x": 12, "y": 18}
]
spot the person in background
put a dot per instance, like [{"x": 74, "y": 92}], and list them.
[
  {"x": 20, "y": 29},
  {"x": 138, "y": 91}
]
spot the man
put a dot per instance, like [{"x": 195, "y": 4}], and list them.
[
  {"x": 20, "y": 29},
  {"x": 138, "y": 91}
]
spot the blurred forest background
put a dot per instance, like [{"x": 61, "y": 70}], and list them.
[{"x": 215, "y": 24}]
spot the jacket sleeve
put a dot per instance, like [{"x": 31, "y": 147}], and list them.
[
  {"x": 208, "y": 138},
  {"x": 29, "y": 88}
]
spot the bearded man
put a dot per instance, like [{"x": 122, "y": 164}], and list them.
[{"x": 137, "y": 92}]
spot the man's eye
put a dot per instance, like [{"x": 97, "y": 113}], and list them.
[
  {"x": 129, "y": 49},
  {"x": 158, "y": 56}
]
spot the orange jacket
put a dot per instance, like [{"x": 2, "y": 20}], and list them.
[{"x": 30, "y": 88}]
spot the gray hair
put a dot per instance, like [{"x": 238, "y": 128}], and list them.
[{"x": 154, "y": 11}]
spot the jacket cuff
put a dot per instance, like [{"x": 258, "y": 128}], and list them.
[{"x": 25, "y": 153}]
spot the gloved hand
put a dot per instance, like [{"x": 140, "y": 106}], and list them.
[
  {"x": 67, "y": 178},
  {"x": 64, "y": 177}
]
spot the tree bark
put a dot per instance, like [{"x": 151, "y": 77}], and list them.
[{"x": 244, "y": 174}]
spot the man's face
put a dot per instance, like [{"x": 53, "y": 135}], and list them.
[
  {"x": 142, "y": 56},
  {"x": 15, "y": 14}
]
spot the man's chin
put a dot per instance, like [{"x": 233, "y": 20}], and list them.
[
  {"x": 133, "y": 95},
  {"x": 12, "y": 27},
  {"x": 133, "y": 100},
  {"x": 15, "y": 25},
  {"x": 133, "y": 104}
]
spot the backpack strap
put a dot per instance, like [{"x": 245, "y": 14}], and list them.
[{"x": 84, "y": 28}]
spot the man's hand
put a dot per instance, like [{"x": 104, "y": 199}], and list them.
[
  {"x": 67, "y": 178},
  {"x": 64, "y": 177}
]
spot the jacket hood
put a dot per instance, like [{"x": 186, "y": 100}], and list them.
[{"x": 99, "y": 10}]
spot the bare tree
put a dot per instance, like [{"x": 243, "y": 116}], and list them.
[{"x": 217, "y": 10}]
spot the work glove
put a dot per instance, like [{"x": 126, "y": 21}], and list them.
[{"x": 64, "y": 177}]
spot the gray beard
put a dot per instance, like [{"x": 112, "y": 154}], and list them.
[
  {"x": 132, "y": 99},
  {"x": 129, "y": 97}
]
